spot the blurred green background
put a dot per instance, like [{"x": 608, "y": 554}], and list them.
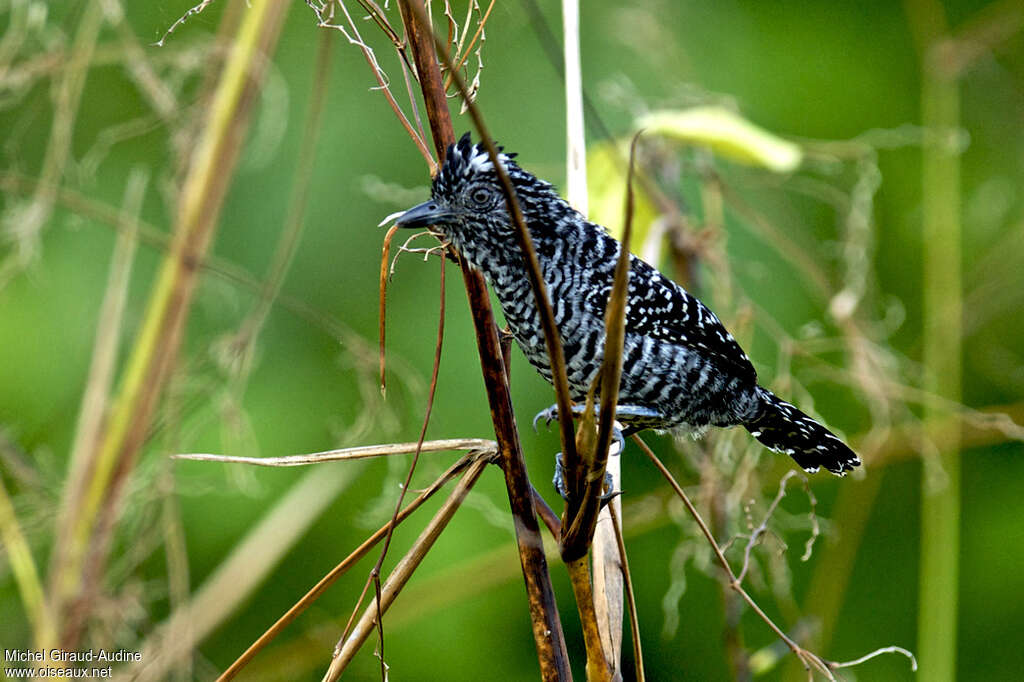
[{"x": 842, "y": 79}]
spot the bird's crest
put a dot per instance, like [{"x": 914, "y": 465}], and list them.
[{"x": 465, "y": 159}]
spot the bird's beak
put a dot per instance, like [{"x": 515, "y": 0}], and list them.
[{"x": 427, "y": 213}]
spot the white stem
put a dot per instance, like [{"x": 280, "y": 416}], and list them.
[{"x": 576, "y": 154}]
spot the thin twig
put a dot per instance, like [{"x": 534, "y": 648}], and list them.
[
  {"x": 352, "y": 36},
  {"x": 377, "y": 15},
  {"x": 547, "y": 515},
  {"x": 192, "y": 11},
  {"x": 382, "y": 295},
  {"x": 431, "y": 393},
  {"x": 465, "y": 53},
  {"x": 878, "y": 652},
  {"x": 809, "y": 659},
  {"x": 762, "y": 528},
  {"x": 815, "y": 526}
]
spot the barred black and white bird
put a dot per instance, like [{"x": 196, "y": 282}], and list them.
[{"x": 682, "y": 370}]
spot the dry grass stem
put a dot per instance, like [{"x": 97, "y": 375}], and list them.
[
  {"x": 403, "y": 571},
  {"x": 317, "y": 590},
  {"x": 343, "y": 454},
  {"x": 762, "y": 527},
  {"x": 102, "y": 367},
  {"x": 878, "y": 652},
  {"x": 525, "y": 243},
  {"x": 586, "y": 482},
  {"x": 609, "y": 576},
  {"x": 431, "y": 393},
  {"x": 576, "y": 149}
]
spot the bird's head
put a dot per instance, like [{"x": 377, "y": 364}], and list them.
[{"x": 467, "y": 203}]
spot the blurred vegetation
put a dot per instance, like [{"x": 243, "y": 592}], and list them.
[{"x": 823, "y": 273}]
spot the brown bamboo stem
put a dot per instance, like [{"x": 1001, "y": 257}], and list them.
[
  {"x": 598, "y": 669},
  {"x": 547, "y": 629}
]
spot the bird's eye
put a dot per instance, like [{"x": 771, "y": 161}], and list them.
[{"x": 480, "y": 197}]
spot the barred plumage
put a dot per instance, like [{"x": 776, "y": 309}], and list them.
[{"x": 681, "y": 369}]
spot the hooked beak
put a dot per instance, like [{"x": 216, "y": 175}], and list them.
[{"x": 427, "y": 213}]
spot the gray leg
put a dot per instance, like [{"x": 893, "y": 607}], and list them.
[
  {"x": 559, "y": 479},
  {"x": 623, "y": 413}
]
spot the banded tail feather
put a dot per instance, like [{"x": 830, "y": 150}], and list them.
[{"x": 783, "y": 428}]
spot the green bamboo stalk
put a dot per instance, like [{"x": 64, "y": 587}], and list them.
[
  {"x": 943, "y": 315},
  {"x": 202, "y": 195},
  {"x": 26, "y": 575},
  {"x": 103, "y": 365}
]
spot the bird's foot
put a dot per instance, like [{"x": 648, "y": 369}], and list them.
[
  {"x": 617, "y": 446},
  {"x": 563, "y": 490}
]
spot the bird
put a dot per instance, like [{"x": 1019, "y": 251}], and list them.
[{"x": 682, "y": 371}]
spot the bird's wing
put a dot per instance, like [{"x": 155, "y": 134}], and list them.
[{"x": 661, "y": 309}]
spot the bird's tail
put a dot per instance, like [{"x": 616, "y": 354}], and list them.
[{"x": 783, "y": 428}]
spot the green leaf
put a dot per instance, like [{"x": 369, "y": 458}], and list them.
[
  {"x": 607, "y": 166},
  {"x": 727, "y": 134}
]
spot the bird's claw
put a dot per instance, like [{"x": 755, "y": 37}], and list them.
[{"x": 548, "y": 415}]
